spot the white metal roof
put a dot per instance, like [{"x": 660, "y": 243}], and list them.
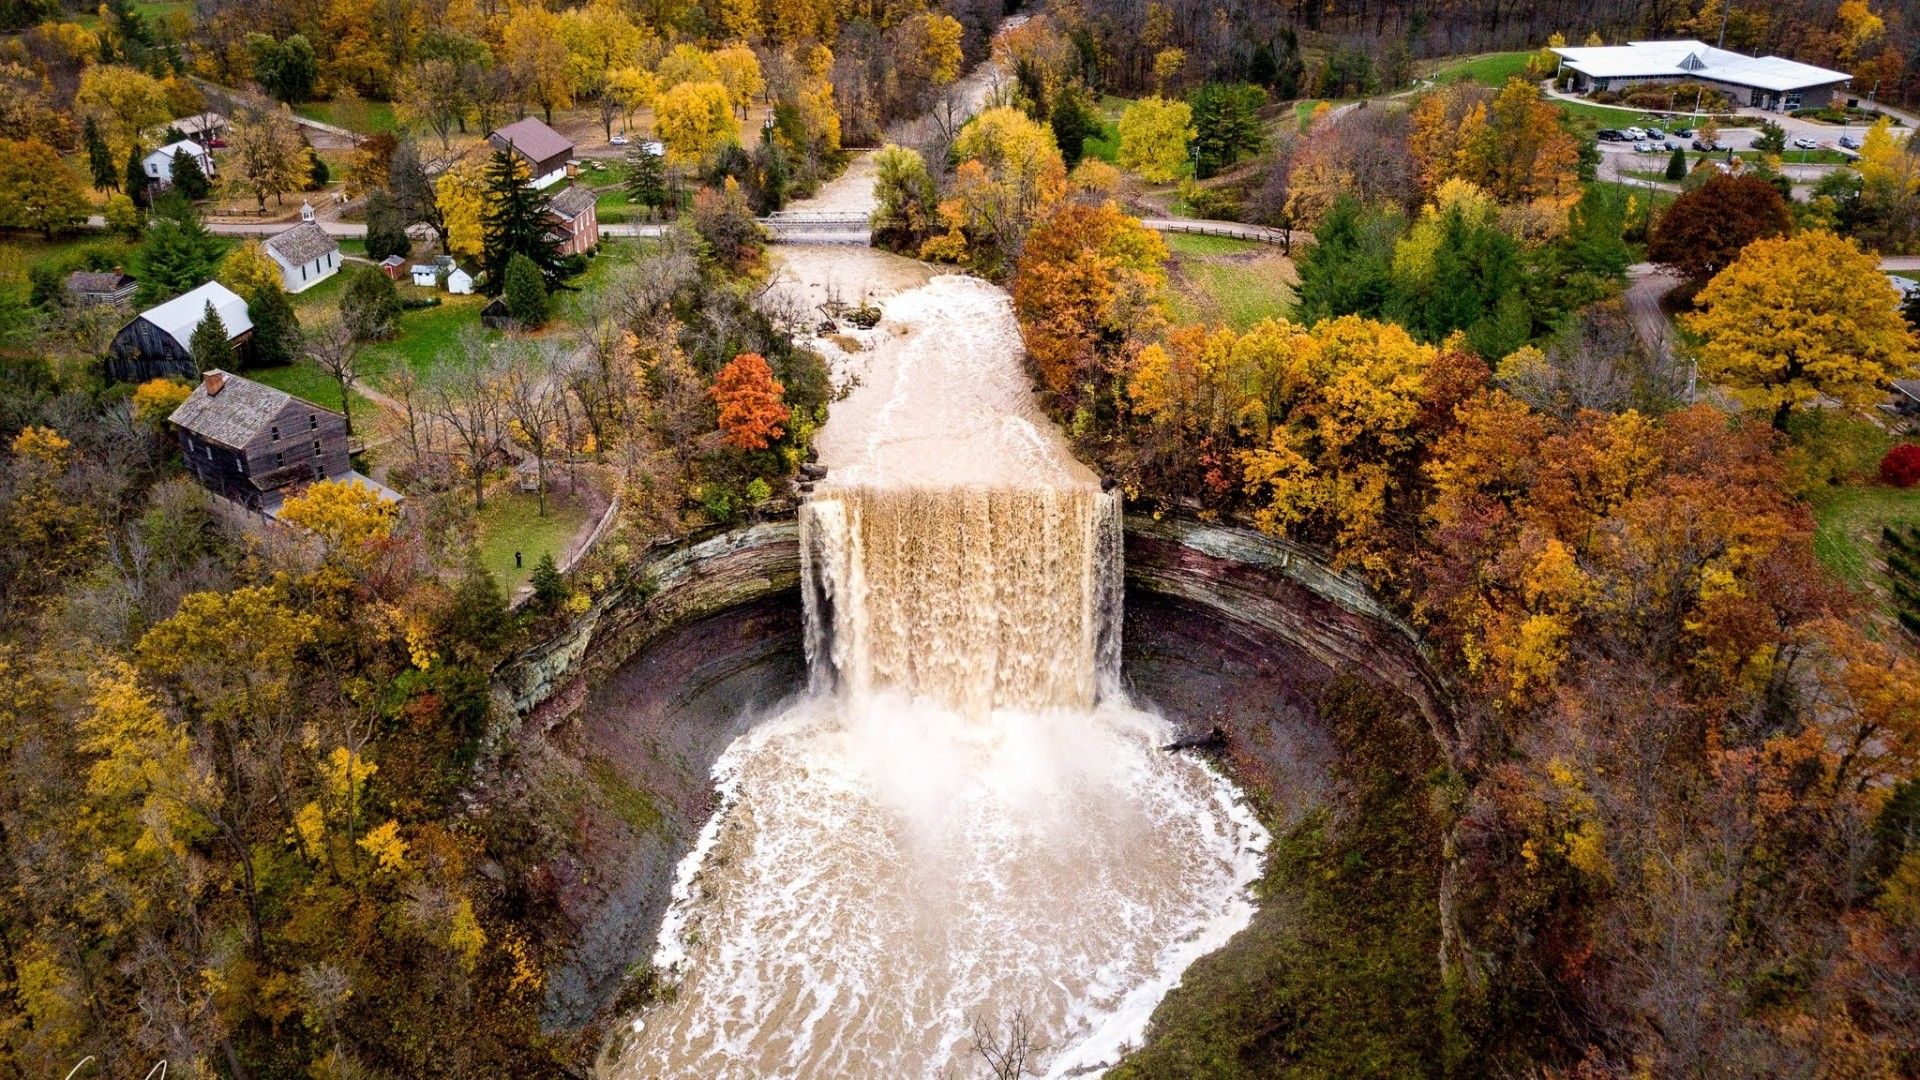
[
  {"x": 169, "y": 150},
  {"x": 180, "y": 315},
  {"x": 1696, "y": 60}
]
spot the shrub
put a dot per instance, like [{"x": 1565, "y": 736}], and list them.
[
  {"x": 370, "y": 306},
  {"x": 1901, "y": 466},
  {"x": 526, "y": 292}
]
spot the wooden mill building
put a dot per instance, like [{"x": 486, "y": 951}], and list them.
[{"x": 250, "y": 443}]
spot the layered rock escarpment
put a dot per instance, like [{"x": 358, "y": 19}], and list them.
[{"x": 610, "y": 727}]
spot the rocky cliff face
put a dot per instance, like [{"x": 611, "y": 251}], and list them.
[{"x": 608, "y": 730}]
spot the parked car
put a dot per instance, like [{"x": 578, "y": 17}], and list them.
[
  {"x": 1634, "y": 134},
  {"x": 1705, "y": 144},
  {"x": 1849, "y": 142},
  {"x": 1656, "y": 133},
  {"x": 1643, "y": 146},
  {"x": 1608, "y": 135},
  {"x": 1806, "y": 144},
  {"x": 1670, "y": 146},
  {"x": 1685, "y": 133},
  {"x": 216, "y": 144},
  {"x": 617, "y": 140}
]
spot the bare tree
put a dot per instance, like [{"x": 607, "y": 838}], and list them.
[
  {"x": 530, "y": 394},
  {"x": 332, "y": 346},
  {"x": 1010, "y": 1049},
  {"x": 465, "y": 396}
]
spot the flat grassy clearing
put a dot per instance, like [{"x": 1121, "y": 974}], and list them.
[
  {"x": 1593, "y": 117},
  {"x": 1491, "y": 69},
  {"x": 1846, "y": 529},
  {"x": 1106, "y": 144},
  {"x": 1236, "y": 290},
  {"x": 1204, "y": 244},
  {"x": 511, "y": 522},
  {"x": 425, "y": 336},
  {"x": 362, "y": 115},
  {"x": 322, "y": 301}
]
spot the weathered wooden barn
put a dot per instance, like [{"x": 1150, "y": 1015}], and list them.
[{"x": 158, "y": 342}]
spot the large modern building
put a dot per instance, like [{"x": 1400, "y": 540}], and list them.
[{"x": 1761, "y": 82}]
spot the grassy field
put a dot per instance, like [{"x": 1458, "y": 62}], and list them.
[
  {"x": 1593, "y": 117},
  {"x": 426, "y": 335},
  {"x": 304, "y": 379},
  {"x": 1106, "y": 145},
  {"x": 1846, "y": 530},
  {"x": 1238, "y": 289},
  {"x": 362, "y": 116},
  {"x": 1492, "y": 69},
  {"x": 1202, "y": 244},
  {"x": 512, "y": 522}
]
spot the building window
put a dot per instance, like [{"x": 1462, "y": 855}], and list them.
[
  {"x": 279, "y": 459},
  {"x": 276, "y": 433},
  {"x": 313, "y": 421},
  {"x": 316, "y": 448}
]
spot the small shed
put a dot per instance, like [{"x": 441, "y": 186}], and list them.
[
  {"x": 494, "y": 316},
  {"x": 159, "y": 164},
  {"x": 425, "y": 275},
  {"x": 158, "y": 342},
  {"x": 393, "y": 266},
  {"x": 544, "y": 150},
  {"x": 109, "y": 289},
  {"x": 305, "y": 254},
  {"x": 459, "y": 282}
]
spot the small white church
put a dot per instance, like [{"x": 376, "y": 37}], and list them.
[{"x": 305, "y": 254}]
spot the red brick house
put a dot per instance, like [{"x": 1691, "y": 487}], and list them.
[{"x": 576, "y": 224}]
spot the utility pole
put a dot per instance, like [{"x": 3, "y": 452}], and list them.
[{"x": 1726, "y": 9}]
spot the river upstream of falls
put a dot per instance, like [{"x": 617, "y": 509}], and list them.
[{"x": 964, "y": 818}]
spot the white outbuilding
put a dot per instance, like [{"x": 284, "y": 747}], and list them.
[
  {"x": 159, "y": 164},
  {"x": 305, "y": 254}
]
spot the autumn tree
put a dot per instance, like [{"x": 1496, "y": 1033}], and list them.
[
  {"x": 752, "y": 412},
  {"x": 123, "y": 103},
  {"x": 345, "y": 514},
  {"x": 247, "y": 269},
  {"x": 693, "y": 119},
  {"x": 1705, "y": 229},
  {"x": 737, "y": 70},
  {"x": 38, "y": 190},
  {"x": 433, "y": 97},
  {"x": 1153, "y": 138},
  {"x": 1010, "y": 175},
  {"x": 1798, "y": 318},
  {"x": 905, "y": 199},
  {"x": 334, "y": 349},
  {"x": 460, "y": 196},
  {"x": 1088, "y": 285},
  {"x": 267, "y": 154},
  {"x": 535, "y": 56}
]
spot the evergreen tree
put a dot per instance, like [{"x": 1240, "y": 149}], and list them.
[
  {"x": 137, "y": 182},
  {"x": 318, "y": 175},
  {"x": 526, "y": 292},
  {"x": 769, "y": 178},
  {"x": 1348, "y": 270},
  {"x": 386, "y": 227},
  {"x": 178, "y": 253},
  {"x": 477, "y": 622},
  {"x": 549, "y": 585},
  {"x": 47, "y": 286},
  {"x": 370, "y": 306},
  {"x": 210, "y": 344},
  {"x": 188, "y": 178},
  {"x": 513, "y": 223},
  {"x": 276, "y": 329},
  {"x": 1677, "y": 164},
  {"x": 1072, "y": 121},
  {"x": 646, "y": 179},
  {"x": 1912, "y": 310},
  {"x": 1226, "y": 125},
  {"x": 100, "y": 159}
]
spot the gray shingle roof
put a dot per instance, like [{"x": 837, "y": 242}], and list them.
[
  {"x": 302, "y": 244},
  {"x": 532, "y": 138},
  {"x": 84, "y": 282},
  {"x": 572, "y": 202},
  {"x": 241, "y": 410}
]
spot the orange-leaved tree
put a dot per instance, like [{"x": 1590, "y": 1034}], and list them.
[
  {"x": 752, "y": 413},
  {"x": 1087, "y": 284}
]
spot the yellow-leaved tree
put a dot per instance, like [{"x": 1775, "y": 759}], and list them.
[
  {"x": 1797, "y": 318},
  {"x": 738, "y": 70},
  {"x": 123, "y": 101},
  {"x": 692, "y": 120},
  {"x": 155, "y": 399},
  {"x": 1153, "y": 138},
  {"x": 461, "y": 194},
  {"x": 248, "y": 270},
  {"x": 347, "y": 516}
]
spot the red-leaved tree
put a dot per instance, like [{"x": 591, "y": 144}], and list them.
[
  {"x": 752, "y": 413},
  {"x": 1901, "y": 466}
]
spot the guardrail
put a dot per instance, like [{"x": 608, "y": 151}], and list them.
[{"x": 1252, "y": 233}]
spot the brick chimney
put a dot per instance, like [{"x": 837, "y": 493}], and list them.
[{"x": 214, "y": 381}]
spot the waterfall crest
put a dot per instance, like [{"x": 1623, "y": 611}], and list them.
[{"x": 973, "y": 598}]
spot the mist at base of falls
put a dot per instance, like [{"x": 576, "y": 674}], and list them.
[{"x": 964, "y": 817}]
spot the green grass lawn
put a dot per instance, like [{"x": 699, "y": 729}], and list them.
[
  {"x": 1203, "y": 244},
  {"x": 1593, "y": 117},
  {"x": 425, "y": 336},
  {"x": 304, "y": 379},
  {"x": 1846, "y": 530},
  {"x": 1493, "y": 69},
  {"x": 1236, "y": 290},
  {"x": 362, "y": 116},
  {"x": 353, "y": 245},
  {"x": 512, "y": 522}
]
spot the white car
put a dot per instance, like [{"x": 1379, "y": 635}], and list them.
[
  {"x": 1634, "y": 134},
  {"x": 1806, "y": 144},
  {"x": 617, "y": 140}
]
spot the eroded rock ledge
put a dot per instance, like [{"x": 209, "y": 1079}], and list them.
[{"x": 606, "y": 732}]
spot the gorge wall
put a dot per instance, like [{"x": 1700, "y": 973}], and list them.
[{"x": 607, "y": 731}]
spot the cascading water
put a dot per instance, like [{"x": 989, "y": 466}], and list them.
[{"x": 964, "y": 817}]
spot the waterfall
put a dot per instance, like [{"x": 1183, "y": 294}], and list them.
[
  {"x": 974, "y": 598},
  {"x": 963, "y": 815}
]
